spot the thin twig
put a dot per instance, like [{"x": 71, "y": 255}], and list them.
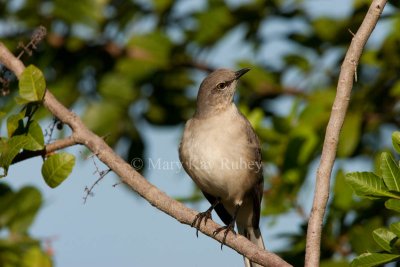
[
  {"x": 48, "y": 133},
  {"x": 38, "y": 34},
  {"x": 336, "y": 120},
  {"x": 102, "y": 174}
]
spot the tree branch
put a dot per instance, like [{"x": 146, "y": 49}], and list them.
[
  {"x": 48, "y": 149},
  {"x": 82, "y": 135},
  {"x": 345, "y": 84}
]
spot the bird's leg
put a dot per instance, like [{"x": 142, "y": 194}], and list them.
[
  {"x": 204, "y": 215},
  {"x": 229, "y": 227}
]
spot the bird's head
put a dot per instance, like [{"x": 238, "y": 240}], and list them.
[{"x": 217, "y": 90}]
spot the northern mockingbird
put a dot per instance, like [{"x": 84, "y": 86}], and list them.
[{"x": 221, "y": 153}]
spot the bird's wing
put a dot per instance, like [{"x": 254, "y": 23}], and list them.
[{"x": 257, "y": 190}]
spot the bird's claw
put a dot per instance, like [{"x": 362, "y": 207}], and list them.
[
  {"x": 226, "y": 229},
  {"x": 200, "y": 217}
]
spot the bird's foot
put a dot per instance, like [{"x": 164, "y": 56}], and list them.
[
  {"x": 200, "y": 217},
  {"x": 226, "y": 229}
]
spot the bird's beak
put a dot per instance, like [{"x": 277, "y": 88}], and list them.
[{"x": 240, "y": 73}]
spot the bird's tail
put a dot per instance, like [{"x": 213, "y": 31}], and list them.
[{"x": 254, "y": 235}]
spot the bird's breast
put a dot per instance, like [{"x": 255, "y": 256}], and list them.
[{"x": 217, "y": 155}]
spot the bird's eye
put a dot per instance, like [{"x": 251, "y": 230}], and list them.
[{"x": 221, "y": 86}]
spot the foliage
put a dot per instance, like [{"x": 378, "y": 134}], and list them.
[
  {"x": 18, "y": 209},
  {"x": 385, "y": 186},
  {"x": 17, "y": 212},
  {"x": 25, "y": 134},
  {"x": 125, "y": 62}
]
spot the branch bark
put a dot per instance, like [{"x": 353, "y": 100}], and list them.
[
  {"x": 339, "y": 108},
  {"x": 48, "y": 149},
  {"x": 82, "y": 135}
]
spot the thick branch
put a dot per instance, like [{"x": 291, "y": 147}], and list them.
[
  {"x": 157, "y": 198},
  {"x": 345, "y": 84}
]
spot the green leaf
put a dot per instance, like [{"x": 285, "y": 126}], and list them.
[
  {"x": 84, "y": 12},
  {"x": 326, "y": 28},
  {"x": 384, "y": 238},
  {"x": 213, "y": 24},
  {"x": 395, "y": 228},
  {"x": 373, "y": 259},
  {"x": 360, "y": 235},
  {"x": 162, "y": 5},
  {"x": 34, "y": 257},
  {"x": 125, "y": 93},
  {"x": 25, "y": 205},
  {"x": 6, "y": 207},
  {"x": 390, "y": 172},
  {"x": 10, "y": 149},
  {"x": 316, "y": 113},
  {"x": 297, "y": 60},
  {"x": 258, "y": 79},
  {"x": 342, "y": 193},
  {"x": 396, "y": 141},
  {"x": 350, "y": 134},
  {"x": 393, "y": 204},
  {"x": 254, "y": 116},
  {"x": 368, "y": 184},
  {"x": 35, "y": 137},
  {"x": 32, "y": 85},
  {"x": 15, "y": 123},
  {"x": 308, "y": 144},
  {"x": 57, "y": 167},
  {"x": 395, "y": 90},
  {"x": 149, "y": 52},
  {"x": 99, "y": 116}
]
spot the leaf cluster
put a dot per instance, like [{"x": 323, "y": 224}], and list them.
[
  {"x": 17, "y": 212},
  {"x": 25, "y": 133},
  {"x": 385, "y": 186}
]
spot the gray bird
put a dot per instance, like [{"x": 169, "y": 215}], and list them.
[{"x": 221, "y": 153}]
